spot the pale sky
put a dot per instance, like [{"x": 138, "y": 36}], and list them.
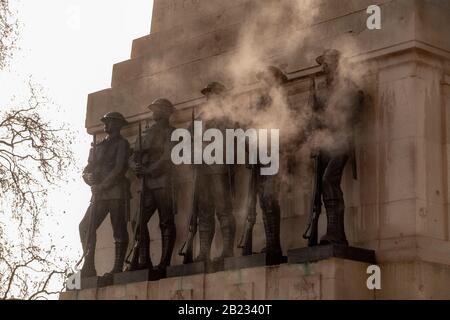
[{"x": 69, "y": 47}]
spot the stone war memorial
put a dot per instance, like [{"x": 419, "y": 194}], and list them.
[{"x": 267, "y": 150}]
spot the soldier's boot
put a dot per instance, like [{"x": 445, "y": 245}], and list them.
[
  {"x": 168, "y": 243},
  {"x": 119, "y": 257},
  {"x": 228, "y": 228},
  {"x": 206, "y": 237},
  {"x": 133, "y": 264},
  {"x": 271, "y": 218},
  {"x": 144, "y": 258},
  {"x": 335, "y": 223},
  {"x": 88, "y": 269}
]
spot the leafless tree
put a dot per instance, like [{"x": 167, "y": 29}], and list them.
[
  {"x": 8, "y": 32},
  {"x": 34, "y": 155}
]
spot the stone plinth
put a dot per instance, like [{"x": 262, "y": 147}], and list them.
[
  {"x": 96, "y": 282},
  {"x": 322, "y": 252},
  {"x": 328, "y": 279},
  {"x": 138, "y": 276}
]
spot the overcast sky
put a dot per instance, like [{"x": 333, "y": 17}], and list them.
[{"x": 69, "y": 47}]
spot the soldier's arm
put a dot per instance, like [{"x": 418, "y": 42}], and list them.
[
  {"x": 121, "y": 165},
  {"x": 89, "y": 169},
  {"x": 163, "y": 164},
  {"x": 135, "y": 157}
]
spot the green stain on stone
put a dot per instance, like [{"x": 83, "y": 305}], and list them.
[{"x": 306, "y": 269}]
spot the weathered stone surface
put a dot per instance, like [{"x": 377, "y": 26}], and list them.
[
  {"x": 322, "y": 252},
  {"x": 113, "y": 292},
  {"x": 88, "y": 294},
  {"x": 254, "y": 260},
  {"x": 191, "y": 287},
  {"x": 330, "y": 32},
  {"x": 137, "y": 291},
  {"x": 238, "y": 284},
  {"x": 327, "y": 279},
  {"x": 414, "y": 280},
  {"x": 68, "y": 295},
  {"x": 186, "y": 269},
  {"x": 138, "y": 276}
]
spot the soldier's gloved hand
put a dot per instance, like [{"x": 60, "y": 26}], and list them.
[
  {"x": 90, "y": 178},
  {"x": 96, "y": 189},
  {"x": 138, "y": 170}
]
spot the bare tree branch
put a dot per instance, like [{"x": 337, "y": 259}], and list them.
[
  {"x": 8, "y": 32},
  {"x": 33, "y": 155}
]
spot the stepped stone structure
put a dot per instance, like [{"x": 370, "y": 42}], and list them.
[{"x": 399, "y": 206}]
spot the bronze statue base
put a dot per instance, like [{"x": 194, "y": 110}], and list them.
[
  {"x": 322, "y": 252},
  {"x": 97, "y": 282},
  {"x": 139, "y": 276},
  {"x": 215, "y": 265},
  {"x": 186, "y": 269},
  {"x": 254, "y": 260}
]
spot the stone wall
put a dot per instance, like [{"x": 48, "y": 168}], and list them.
[
  {"x": 326, "y": 280},
  {"x": 399, "y": 204}
]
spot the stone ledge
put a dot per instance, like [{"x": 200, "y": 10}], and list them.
[
  {"x": 138, "y": 276},
  {"x": 333, "y": 278},
  {"x": 322, "y": 252},
  {"x": 194, "y": 268},
  {"x": 96, "y": 282},
  {"x": 254, "y": 260}
]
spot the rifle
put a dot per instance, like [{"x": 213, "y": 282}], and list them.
[
  {"x": 91, "y": 227},
  {"x": 187, "y": 249},
  {"x": 139, "y": 226},
  {"x": 316, "y": 205},
  {"x": 246, "y": 241},
  {"x": 353, "y": 144}
]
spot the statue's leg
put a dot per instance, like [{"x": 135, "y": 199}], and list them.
[
  {"x": 334, "y": 200},
  {"x": 120, "y": 233},
  {"x": 167, "y": 224},
  {"x": 145, "y": 261},
  {"x": 224, "y": 211},
  {"x": 84, "y": 228},
  {"x": 271, "y": 215},
  {"x": 206, "y": 223},
  {"x": 89, "y": 237}
]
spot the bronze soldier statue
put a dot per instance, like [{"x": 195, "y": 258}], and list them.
[
  {"x": 266, "y": 188},
  {"x": 105, "y": 173},
  {"x": 152, "y": 162},
  {"x": 336, "y": 102},
  {"x": 214, "y": 187}
]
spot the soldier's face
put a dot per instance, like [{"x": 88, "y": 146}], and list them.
[
  {"x": 269, "y": 80},
  {"x": 159, "y": 114},
  {"x": 111, "y": 126},
  {"x": 330, "y": 66},
  {"x": 213, "y": 97}
]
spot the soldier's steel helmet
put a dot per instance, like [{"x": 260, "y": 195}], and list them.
[
  {"x": 214, "y": 88},
  {"x": 329, "y": 55},
  {"x": 273, "y": 71},
  {"x": 162, "y": 104},
  {"x": 114, "y": 116}
]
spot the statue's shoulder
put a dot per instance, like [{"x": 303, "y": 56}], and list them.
[
  {"x": 349, "y": 84},
  {"x": 102, "y": 142},
  {"x": 150, "y": 128},
  {"x": 171, "y": 129},
  {"x": 122, "y": 141}
]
